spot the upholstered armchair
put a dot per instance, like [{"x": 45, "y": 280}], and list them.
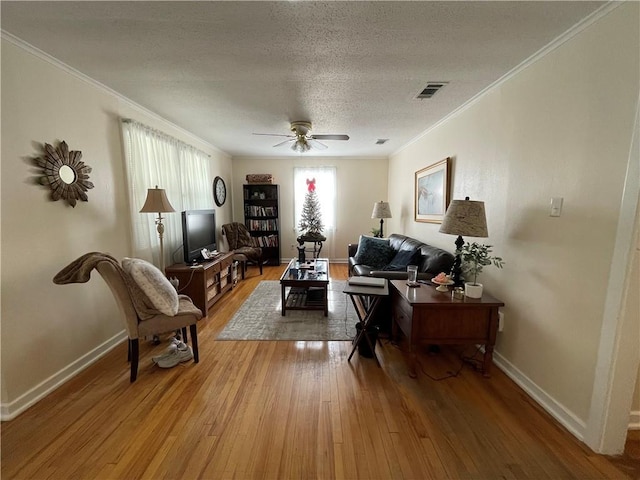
[
  {"x": 239, "y": 241},
  {"x": 148, "y": 303}
]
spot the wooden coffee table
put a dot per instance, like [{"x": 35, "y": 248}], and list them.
[{"x": 304, "y": 286}]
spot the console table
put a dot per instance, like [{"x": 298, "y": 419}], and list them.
[
  {"x": 426, "y": 316},
  {"x": 204, "y": 283}
]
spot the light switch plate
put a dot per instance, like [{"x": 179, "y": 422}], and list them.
[{"x": 556, "y": 206}]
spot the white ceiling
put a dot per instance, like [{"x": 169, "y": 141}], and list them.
[{"x": 224, "y": 70}]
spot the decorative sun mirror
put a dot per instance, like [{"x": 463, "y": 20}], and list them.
[{"x": 66, "y": 175}]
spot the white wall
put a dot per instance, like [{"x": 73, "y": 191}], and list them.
[
  {"x": 561, "y": 127},
  {"x": 50, "y": 331},
  {"x": 360, "y": 183}
]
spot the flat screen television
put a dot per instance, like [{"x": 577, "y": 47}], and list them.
[{"x": 198, "y": 232}]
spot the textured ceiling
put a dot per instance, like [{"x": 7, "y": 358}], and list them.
[{"x": 224, "y": 70}]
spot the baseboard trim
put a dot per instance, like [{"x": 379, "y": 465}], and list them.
[
  {"x": 634, "y": 420},
  {"x": 9, "y": 411},
  {"x": 564, "y": 416}
]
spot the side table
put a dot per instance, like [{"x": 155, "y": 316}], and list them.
[
  {"x": 365, "y": 301},
  {"x": 315, "y": 239},
  {"x": 426, "y": 316}
]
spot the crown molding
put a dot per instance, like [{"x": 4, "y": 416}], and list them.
[
  {"x": 96, "y": 84},
  {"x": 557, "y": 42}
]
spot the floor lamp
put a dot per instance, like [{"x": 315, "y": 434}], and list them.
[
  {"x": 381, "y": 210},
  {"x": 157, "y": 202},
  {"x": 463, "y": 217}
]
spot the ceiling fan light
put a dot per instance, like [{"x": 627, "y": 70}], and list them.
[{"x": 301, "y": 146}]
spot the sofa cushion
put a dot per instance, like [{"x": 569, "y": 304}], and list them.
[
  {"x": 374, "y": 252},
  {"x": 402, "y": 259},
  {"x": 154, "y": 284},
  {"x": 396, "y": 240},
  {"x": 435, "y": 260}
]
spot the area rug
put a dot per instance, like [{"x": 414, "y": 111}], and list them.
[{"x": 260, "y": 317}]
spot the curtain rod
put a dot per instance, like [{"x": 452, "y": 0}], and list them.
[{"x": 162, "y": 134}]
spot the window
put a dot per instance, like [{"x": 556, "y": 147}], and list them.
[
  {"x": 326, "y": 193},
  {"x": 154, "y": 158}
]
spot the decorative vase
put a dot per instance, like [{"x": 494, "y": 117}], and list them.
[{"x": 473, "y": 290}]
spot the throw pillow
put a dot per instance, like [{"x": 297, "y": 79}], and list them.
[
  {"x": 374, "y": 252},
  {"x": 402, "y": 259},
  {"x": 154, "y": 284}
]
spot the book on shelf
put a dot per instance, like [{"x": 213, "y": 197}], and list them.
[
  {"x": 265, "y": 241},
  {"x": 262, "y": 225},
  {"x": 258, "y": 211}
]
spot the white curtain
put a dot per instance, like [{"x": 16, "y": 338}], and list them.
[
  {"x": 154, "y": 158},
  {"x": 196, "y": 173},
  {"x": 326, "y": 193}
]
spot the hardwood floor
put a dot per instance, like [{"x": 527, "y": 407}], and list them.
[{"x": 290, "y": 410}]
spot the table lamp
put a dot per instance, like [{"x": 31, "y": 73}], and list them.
[
  {"x": 463, "y": 217},
  {"x": 157, "y": 202},
  {"x": 381, "y": 210}
]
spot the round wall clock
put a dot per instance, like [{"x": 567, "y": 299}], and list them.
[{"x": 219, "y": 191}]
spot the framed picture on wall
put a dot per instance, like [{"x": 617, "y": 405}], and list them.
[{"x": 432, "y": 192}]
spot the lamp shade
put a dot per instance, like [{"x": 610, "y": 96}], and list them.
[
  {"x": 381, "y": 210},
  {"x": 156, "y": 202},
  {"x": 466, "y": 218}
]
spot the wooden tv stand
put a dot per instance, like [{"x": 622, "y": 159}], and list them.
[{"x": 204, "y": 283}]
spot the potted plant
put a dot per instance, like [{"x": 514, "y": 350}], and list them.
[{"x": 475, "y": 256}]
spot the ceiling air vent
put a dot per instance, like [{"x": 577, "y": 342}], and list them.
[{"x": 431, "y": 89}]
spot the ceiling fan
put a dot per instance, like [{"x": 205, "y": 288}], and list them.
[{"x": 301, "y": 138}]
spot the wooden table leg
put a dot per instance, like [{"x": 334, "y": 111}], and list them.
[
  {"x": 326, "y": 301},
  {"x": 284, "y": 300}
]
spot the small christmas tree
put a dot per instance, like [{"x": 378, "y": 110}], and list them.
[{"x": 311, "y": 219}]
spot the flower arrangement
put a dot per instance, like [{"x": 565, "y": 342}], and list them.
[{"x": 476, "y": 256}]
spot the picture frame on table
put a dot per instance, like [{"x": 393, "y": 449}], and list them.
[{"x": 432, "y": 192}]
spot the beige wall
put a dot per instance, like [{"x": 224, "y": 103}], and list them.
[
  {"x": 561, "y": 127},
  {"x": 51, "y": 331},
  {"x": 360, "y": 183}
]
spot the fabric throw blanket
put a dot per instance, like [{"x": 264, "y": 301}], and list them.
[{"x": 79, "y": 271}]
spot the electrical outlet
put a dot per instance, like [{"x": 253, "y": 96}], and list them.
[{"x": 500, "y": 321}]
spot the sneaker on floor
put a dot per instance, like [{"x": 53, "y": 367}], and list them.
[
  {"x": 183, "y": 353},
  {"x": 174, "y": 343}
]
